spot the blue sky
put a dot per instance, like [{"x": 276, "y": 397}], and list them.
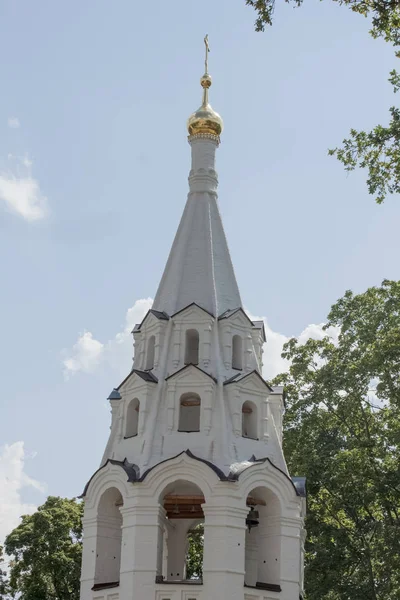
[{"x": 93, "y": 153}]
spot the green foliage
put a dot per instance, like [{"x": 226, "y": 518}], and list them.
[
  {"x": 3, "y": 575},
  {"x": 194, "y": 557},
  {"x": 342, "y": 430},
  {"x": 378, "y": 151},
  {"x": 46, "y": 549},
  {"x": 385, "y": 15}
]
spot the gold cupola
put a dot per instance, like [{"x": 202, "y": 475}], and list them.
[{"x": 205, "y": 121}]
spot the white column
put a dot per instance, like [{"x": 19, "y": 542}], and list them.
[
  {"x": 141, "y": 558},
  {"x": 207, "y": 410},
  {"x": 141, "y": 351},
  {"x": 88, "y": 556},
  {"x": 170, "y": 406},
  {"x": 269, "y": 548},
  {"x": 206, "y": 345},
  {"x": 177, "y": 538},
  {"x": 176, "y": 345},
  {"x": 157, "y": 348},
  {"x": 257, "y": 343},
  {"x": 227, "y": 347},
  {"x": 237, "y": 413},
  {"x": 248, "y": 343},
  {"x": 290, "y": 557},
  {"x": 276, "y": 408},
  {"x": 224, "y": 552},
  {"x": 264, "y": 420},
  {"x": 303, "y": 534}
]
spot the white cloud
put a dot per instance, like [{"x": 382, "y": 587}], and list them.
[
  {"x": 13, "y": 479},
  {"x": 13, "y": 122},
  {"x": 119, "y": 350},
  {"x": 21, "y": 192},
  {"x": 26, "y": 162},
  {"x": 88, "y": 353},
  {"x": 273, "y": 362}
]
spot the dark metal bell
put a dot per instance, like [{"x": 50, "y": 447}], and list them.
[{"x": 252, "y": 519}]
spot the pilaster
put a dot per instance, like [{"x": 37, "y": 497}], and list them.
[
  {"x": 227, "y": 345},
  {"x": 206, "y": 345},
  {"x": 171, "y": 392},
  {"x": 207, "y": 409},
  {"x": 224, "y": 551},
  {"x": 89, "y": 525},
  {"x": 290, "y": 557},
  {"x": 269, "y": 549},
  {"x": 248, "y": 351},
  {"x": 141, "y": 558},
  {"x": 176, "y": 350}
]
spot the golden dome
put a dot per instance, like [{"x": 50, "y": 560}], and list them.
[{"x": 205, "y": 120}]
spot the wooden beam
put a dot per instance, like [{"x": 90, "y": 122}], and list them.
[
  {"x": 184, "y": 500},
  {"x": 252, "y": 501},
  {"x": 185, "y": 515}
]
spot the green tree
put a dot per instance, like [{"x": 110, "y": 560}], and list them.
[
  {"x": 342, "y": 430},
  {"x": 194, "y": 557},
  {"x": 46, "y": 550},
  {"x": 3, "y": 575},
  {"x": 378, "y": 151}
]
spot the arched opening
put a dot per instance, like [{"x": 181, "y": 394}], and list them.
[
  {"x": 151, "y": 346},
  {"x": 132, "y": 418},
  {"x": 237, "y": 352},
  {"x": 189, "y": 412},
  {"x": 109, "y": 536},
  {"x": 192, "y": 347},
  {"x": 183, "y": 535},
  {"x": 249, "y": 420},
  {"x": 263, "y": 539}
]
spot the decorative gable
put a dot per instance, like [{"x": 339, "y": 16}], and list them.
[
  {"x": 248, "y": 399},
  {"x": 137, "y": 388},
  {"x": 149, "y": 338},
  {"x": 237, "y": 317},
  {"x": 190, "y": 382},
  {"x": 191, "y": 337}
]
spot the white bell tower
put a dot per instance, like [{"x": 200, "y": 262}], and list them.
[{"x": 195, "y": 447}]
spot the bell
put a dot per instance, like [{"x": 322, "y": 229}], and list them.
[{"x": 252, "y": 518}]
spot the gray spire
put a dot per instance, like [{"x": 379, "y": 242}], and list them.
[{"x": 199, "y": 268}]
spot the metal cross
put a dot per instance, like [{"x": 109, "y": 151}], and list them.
[{"x": 207, "y": 51}]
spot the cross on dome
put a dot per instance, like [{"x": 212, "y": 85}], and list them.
[{"x": 205, "y": 121}]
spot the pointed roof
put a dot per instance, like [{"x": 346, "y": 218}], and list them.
[
  {"x": 145, "y": 375},
  {"x": 229, "y": 313},
  {"x": 240, "y": 376},
  {"x": 188, "y": 367},
  {"x": 162, "y": 316},
  {"x": 199, "y": 268}
]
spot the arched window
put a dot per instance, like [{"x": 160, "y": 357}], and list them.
[
  {"x": 249, "y": 421},
  {"x": 151, "y": 345},
  {"x": 237, "y": 352},
  {"x": 132, "y": 418},
  {"x": 192, "y": 347},
  {"x": 109, "y": 536},
  {"x": 189, "y": 413}
]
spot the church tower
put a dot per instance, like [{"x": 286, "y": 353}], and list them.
[{"x": 193, "y": 499}]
